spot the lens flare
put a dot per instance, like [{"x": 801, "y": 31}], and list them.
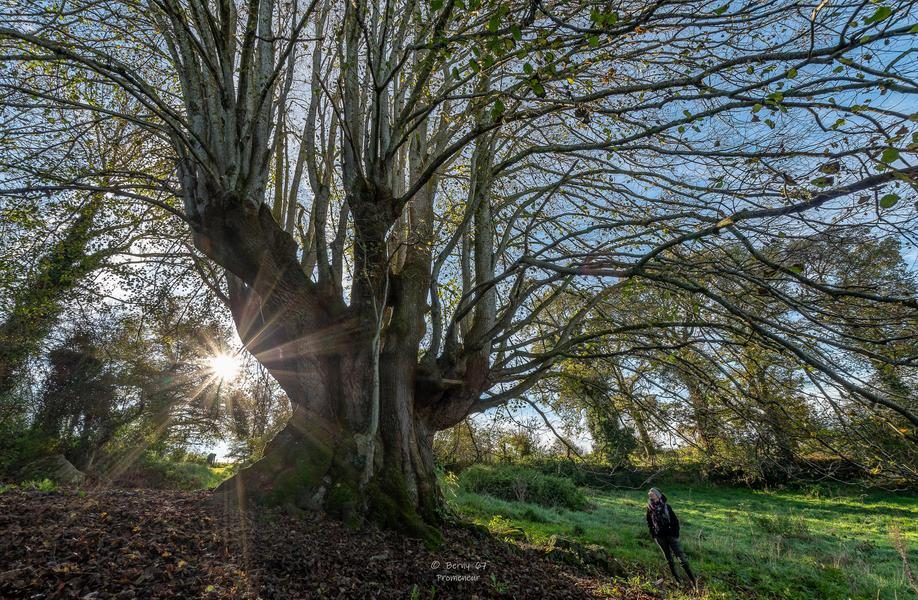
[{"x": 224, "y": 366}]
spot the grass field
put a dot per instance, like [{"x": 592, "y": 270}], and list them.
[{"x": 742, "y": 542}]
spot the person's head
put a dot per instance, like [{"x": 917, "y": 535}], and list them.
[{"x": 654, "y": 495}]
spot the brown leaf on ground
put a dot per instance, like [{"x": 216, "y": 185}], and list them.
[{"x": 167, "y": 544}]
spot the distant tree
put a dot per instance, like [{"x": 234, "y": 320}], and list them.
[
  {"x": 80, "y": 408},
  {"x": 517, "y": 445},
  {"x": 465, "y": 444},
  {"x": 604, "y": 401},
  {"x": 36, "y": 305}
]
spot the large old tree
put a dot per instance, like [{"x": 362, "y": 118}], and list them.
[{"x": 397, "y": 191}]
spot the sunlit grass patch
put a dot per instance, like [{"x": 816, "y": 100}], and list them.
[{"x": 744, "y": 543}]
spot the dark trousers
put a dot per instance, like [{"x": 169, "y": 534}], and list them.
[{"x": 670, "y": 546}]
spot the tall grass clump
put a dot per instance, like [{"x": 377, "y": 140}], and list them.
[
  {"x": 792, "y": 526},
  {"x": 521, "y": 484}
]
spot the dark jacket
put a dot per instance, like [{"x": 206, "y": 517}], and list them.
[{"x": 670, "y": 529}]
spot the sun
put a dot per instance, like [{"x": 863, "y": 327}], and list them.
[{"x": 224, "y": 367}]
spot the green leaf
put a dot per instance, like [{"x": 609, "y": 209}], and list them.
[
  {"x": 537, "y": 88},
  {"x": 721, "y": 10},
  {"x": 498, "y": 109},
  {"x": 473, "y": 64},
  {"x": 881, "y": 14},
  {"x": 791, "y": 73},
  {"x": 516, "y": 32},
  {"x": 756, "y": 107},
  {"x": 493, "y": 23},
  {"x": 914, "y": 29},
  {"x": 823, "y": 181},
  {"x": 436, "y": 4},
  {"x": 890, "y": 155},
  {"x": 593, "y": 41},
  {"x": 527, "y": 69},
  {"x": 889, "y": 200},
  {"x": 770, "y": 123}
]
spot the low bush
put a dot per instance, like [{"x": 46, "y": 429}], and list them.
[
  {"x": 521, "y": 484},
  {"x": 19, "y": 447},
  {"x": 505, "y": 528},
  {"x": 791, "y": 526}
]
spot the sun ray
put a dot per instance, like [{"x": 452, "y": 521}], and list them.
[{"x": 224, "y": 367}]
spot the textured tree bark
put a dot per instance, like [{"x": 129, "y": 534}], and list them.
[
  {"x": 327, "y": 458},
  {"x": 359, "y": 443}
]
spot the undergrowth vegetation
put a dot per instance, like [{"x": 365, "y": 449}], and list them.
[
  {"x": 37, "y": 485},
  {"x": 521, "y": 484}
]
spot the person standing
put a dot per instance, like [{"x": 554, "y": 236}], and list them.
[{"x": 664, "y": 528}]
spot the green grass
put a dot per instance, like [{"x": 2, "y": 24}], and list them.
[
  {"x": 38, "y": 485},
  {"x": 153, "y": 471},
  {"x": 743, "y": 543},
  {"x": 193, "y": 476}
]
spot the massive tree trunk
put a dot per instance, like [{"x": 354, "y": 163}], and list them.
[
  {"x": 332, "y": 463},
  {"x": 355, "y": 445},
  {"x": 359, "y": 443}
]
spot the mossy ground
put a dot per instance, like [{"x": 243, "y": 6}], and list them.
[{"x": 744, "y": 543}]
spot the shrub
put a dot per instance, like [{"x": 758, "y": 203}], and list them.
[
  {"x": 782, "y": 524},
  {"x": 505, "y": 529},
  {"x": 521, "y": 484},
  {"x": 21, "y": 446},
  {"x": 40, "y": 485}
]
